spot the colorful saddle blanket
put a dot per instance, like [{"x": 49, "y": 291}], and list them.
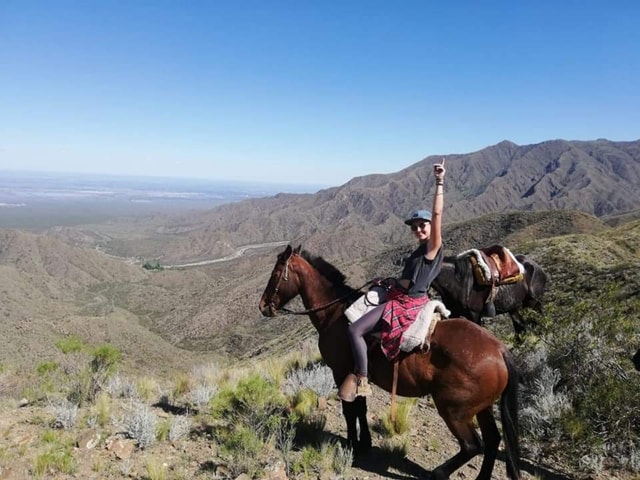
[{"x": 494, "y": 265}]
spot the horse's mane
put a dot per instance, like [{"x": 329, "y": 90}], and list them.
[{"x": 327, "y": 270}]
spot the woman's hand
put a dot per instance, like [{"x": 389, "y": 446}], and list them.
[{"x": 439, "y": 171}]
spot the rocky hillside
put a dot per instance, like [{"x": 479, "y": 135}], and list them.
[{"x": 50, "y": 289}]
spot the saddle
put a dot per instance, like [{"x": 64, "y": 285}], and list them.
[
  {"x": 417, "y": 337},
  {"x": 494, "y": 265}
]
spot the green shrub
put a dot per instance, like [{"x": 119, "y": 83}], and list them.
[
  {"x": 106, "y": 359},
  {"x": 400, "y": 424},
  {"x": 45, "y": 368},
  {"x": 253, "y": 400},
  {"x": 582, "y": 346},
  {"x": 243, "y": 445},
  {"x": 70, "y": 344},
  {"x": 56, "y": 457},
  {"x": 153, "y": 265}
]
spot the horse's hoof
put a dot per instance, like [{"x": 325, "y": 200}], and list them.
[
  {"x": 364, "y": 446},
  {"x": 361, "y": 449}
]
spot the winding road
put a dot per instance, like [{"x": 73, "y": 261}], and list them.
[{"x": 236, "y": 254}]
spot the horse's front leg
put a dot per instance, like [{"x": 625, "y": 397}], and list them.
[
  {"x": 351, "y": 417},
  {"x": 355, "y": 413},
  {"x": 364, "y": 445}
]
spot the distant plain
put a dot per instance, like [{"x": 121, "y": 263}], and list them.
[{"x": 39, "y": 200}]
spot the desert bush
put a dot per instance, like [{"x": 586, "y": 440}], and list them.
[
  {"x": 317, "y": 377},
  {"x": 577, "y": 373},
  {"x": 101, "y": 411},
  {"x": 153, "y": 265},
  {"x": 56, "y": 457},
  {"x": 93, "y": 378},
  {"x": 209, "y": 373},
  {"x": 118, "y": 386},
  {"x": 399, "y": 425},
  {"x": 201, "y": 394},
  {"x": 544, "y": 404},
  {"x": 342, "y": 459},
  {"x": 283, "y": 435},
  {"x": 49, "y": 379},
  {"x": 46, "y": 368},
  {"x": 162, "y": 429},
  {"x": 70, "y": 344},
  {"x": 253, "y": 400},
  {"x": 180, "y": 428},
  {"x": 335, "y": 459},
  {"x": 257, "y": 421},
  {"x": 65, "y": 414},
  {"x": 308, "y": 463},
  {"x": 328, "y": 460},
  {"x": 147, "y": 388},
  {"x": 243, "y": 446},
  {"x": 140, "y": 424},
  {"x": 155, "y": 471},
  {"x": 183, "y": 384},
  {"x": 304, "y": 403},
  {"x": 106, "y": 359}
]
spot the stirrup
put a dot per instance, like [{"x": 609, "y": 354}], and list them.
[
  {"x": 347, "y": 391},
  {"x": 364, "y": 388}
]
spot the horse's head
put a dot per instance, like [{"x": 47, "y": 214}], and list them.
[{"x": 282, "y": 286}]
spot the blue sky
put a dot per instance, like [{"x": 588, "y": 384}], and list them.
[{"x": 305, "y": 92}]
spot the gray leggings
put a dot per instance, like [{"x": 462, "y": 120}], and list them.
[{"x": 367, "y": 323}]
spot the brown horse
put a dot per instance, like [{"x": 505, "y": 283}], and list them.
[{"x": 466, "y": 370}]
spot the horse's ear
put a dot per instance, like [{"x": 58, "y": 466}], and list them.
[
  {"x": 287, "y": 251},
  {"x": 298, "y": 250}
]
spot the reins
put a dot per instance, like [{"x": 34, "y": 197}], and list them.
[
  {"x": 328, "y": 304},
  {"x": 285, "y": 277}
]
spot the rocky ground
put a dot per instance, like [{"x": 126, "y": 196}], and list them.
[{"x": 102, "y": 453}]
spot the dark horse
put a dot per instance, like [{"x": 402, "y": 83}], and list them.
[
  {"x": 465, "y": 297},
  {"x": 636, "y": 360},
  {"x": 466, "y": 370}
]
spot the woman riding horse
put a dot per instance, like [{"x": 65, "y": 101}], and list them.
[
  {"x": 465, "y": 370},
  {"x": 393, "y": 317}
]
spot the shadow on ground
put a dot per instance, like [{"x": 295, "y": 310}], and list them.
[{"x": 384, "y": 464}]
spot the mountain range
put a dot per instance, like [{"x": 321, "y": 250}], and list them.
[
  {"x": 61, "y": 282},
  {"x": 364, "y": 216}
]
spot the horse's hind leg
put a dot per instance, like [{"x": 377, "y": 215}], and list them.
[
  {"x": 491, "y": 438},
  {"x": 518, "y": 326},
  {"x": 469, "y": 441}
]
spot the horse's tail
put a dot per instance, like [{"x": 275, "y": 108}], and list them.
[
  {"x": 536, "y": 284},
  {"x": 509, "y": 417}
]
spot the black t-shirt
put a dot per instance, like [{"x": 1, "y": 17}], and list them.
[{"x": 420, "y": 271}]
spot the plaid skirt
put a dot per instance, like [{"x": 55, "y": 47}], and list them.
[{"x": 399, "y": 312}]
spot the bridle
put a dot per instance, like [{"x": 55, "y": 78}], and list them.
[{"x": 285, "y": 276}]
